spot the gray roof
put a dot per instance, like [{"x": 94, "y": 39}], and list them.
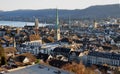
[{"x": 39, "y": 69}]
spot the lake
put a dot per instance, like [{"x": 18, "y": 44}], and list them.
[{"x": 20, "y": 24}]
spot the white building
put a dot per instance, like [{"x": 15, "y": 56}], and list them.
[
  {"x": 102, "y": 58},
  {"x": 31, "y": 47}
]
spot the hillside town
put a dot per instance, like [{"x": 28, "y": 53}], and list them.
[{"x": 76, "y": 47}]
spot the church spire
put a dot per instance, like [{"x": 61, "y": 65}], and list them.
[
  {"x": 57, "y": 25},
  {"x": 57, "y": 19}
]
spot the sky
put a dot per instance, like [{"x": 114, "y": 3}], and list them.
[{"x": 8, "y": 5}]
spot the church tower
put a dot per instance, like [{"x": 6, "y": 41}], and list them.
[
  {"x": 95, "y": 25},
  {"x": 14, "y": 45},
  {"x": 57, "y": 25},
  {"x": 36, "y": 23}
]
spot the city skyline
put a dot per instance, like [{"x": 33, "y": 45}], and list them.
[{"x": 8, "y": 5}]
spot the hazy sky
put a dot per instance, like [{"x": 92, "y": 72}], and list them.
[{"x": 44, "y": 4}]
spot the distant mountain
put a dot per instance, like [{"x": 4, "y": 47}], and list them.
[
  {"x": 1, "y": 11},
  {"x": 101, "y": 11}
]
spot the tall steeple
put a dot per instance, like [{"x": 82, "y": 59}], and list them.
[{"x": 57, "y": 25}]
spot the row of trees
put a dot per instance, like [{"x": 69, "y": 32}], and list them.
[{"x": 81, "y": 69}]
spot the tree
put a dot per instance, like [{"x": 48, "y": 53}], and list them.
[
  {"x": 79, "y": 68},
  {"x": 3, "y": 60},
  {"x": 50, "y": 38},
  {"x": 2, "y": 56},
  {"x": 74, "y": 67}
]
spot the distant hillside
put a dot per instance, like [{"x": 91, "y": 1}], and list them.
[
  {"x": 49, "y": 14},
  {"x": 1, "y": 11}
]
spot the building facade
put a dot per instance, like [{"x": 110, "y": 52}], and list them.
[{"x": 102, "y": 58}]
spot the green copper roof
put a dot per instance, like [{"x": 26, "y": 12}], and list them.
[{"x": 57, "y": 19}]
